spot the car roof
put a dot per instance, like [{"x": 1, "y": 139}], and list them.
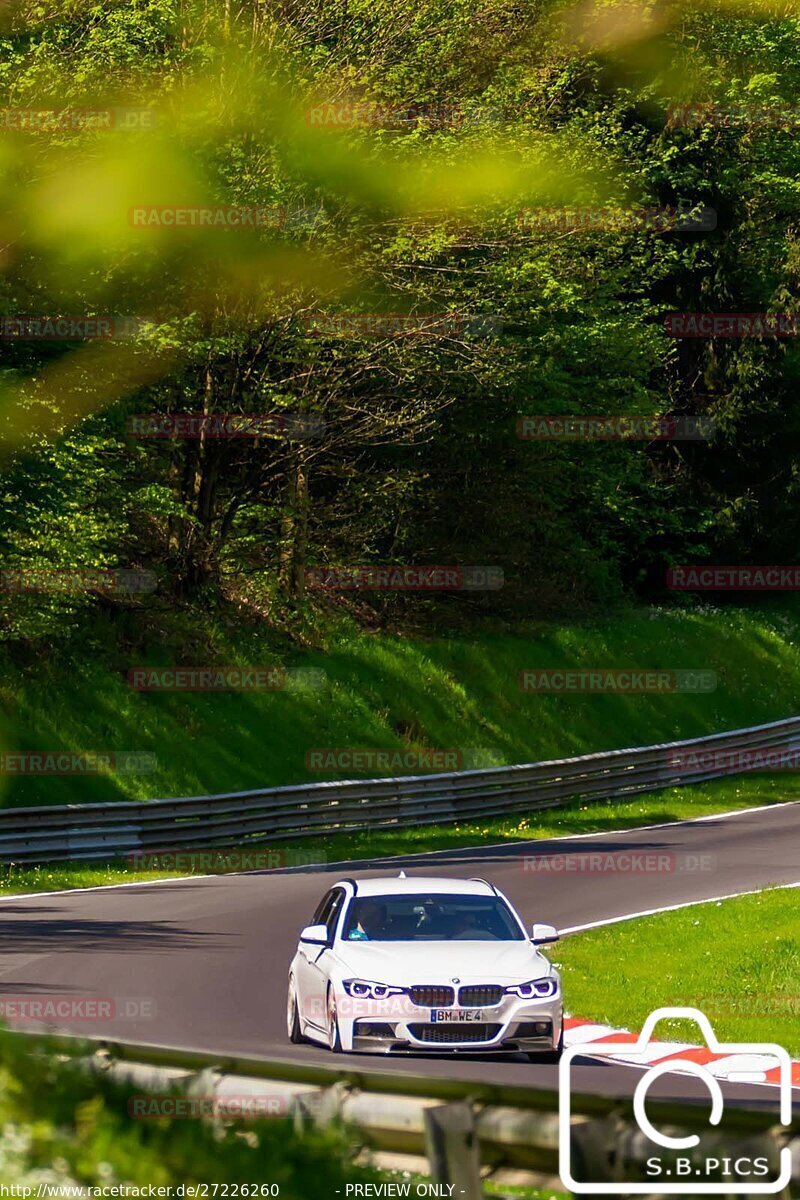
[{"x": 415, "y": 885}]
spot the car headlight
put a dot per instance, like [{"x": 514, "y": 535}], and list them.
[
  {"x": 363, "y": 989},
  {"x": 535, "y": 989}
]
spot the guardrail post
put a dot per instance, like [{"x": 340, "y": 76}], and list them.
[
  {"x": 595, "y": 1150},
  {"x": 453, "y": 1149}
]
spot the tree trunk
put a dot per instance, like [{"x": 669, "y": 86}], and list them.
[
  {"x": 199, "y": 489},
  {"x": 300, "y": 530},
  {"x": 294, "y": 531}
]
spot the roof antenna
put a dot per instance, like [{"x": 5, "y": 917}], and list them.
[{"x": 402, "y": 875}]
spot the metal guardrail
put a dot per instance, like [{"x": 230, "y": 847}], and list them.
[
  {"x": 473, "y": 1134},
  {"x": 115, "y": 830}
]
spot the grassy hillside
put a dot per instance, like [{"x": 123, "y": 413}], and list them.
[{"x": 389, "y": 691}]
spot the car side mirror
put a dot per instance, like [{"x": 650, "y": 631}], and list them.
[
  {"x": 316, "y": 934},
  {"x": 543, "y": 934}
]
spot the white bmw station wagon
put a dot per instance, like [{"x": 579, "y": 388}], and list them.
[{"x": 424, "y": 965}]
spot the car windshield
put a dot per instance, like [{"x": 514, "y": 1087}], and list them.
[{"x": 431, "y": 918}]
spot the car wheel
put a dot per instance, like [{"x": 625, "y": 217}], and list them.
[
  {"x": 549, "y": 1056},
  {"x": 293, "y": 1016},
  {"x": 334, "y": 1037}
]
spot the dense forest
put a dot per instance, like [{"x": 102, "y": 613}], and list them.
[{"x": 292, "y": 287}]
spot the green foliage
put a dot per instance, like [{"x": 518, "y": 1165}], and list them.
[
  {"x": 417, "y": 460},
  {"x": 63, "y": 1126}
]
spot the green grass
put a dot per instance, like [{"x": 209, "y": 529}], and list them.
[
  {"x": 385, "y": 691},
  {"x": 389, "y": 691},
  {"x": 736, "y": 960},
  {"x": 671, "y": 804}
]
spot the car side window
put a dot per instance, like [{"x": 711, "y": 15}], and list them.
[
  {"x": 323, "y": 908},
  {"x": 333, "y": 912},
  {"x": 328, "y": 910}
]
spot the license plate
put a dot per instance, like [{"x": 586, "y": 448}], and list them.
[{"x": 455, "y": 1015}]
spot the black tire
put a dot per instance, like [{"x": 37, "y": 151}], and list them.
[
  {"x": 293, "y": 1017},
  {"x": 549, "y": 1056},
  {"x": 334, "y": 1037}
]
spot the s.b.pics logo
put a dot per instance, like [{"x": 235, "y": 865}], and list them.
[{"x": 667, "y": 1159}]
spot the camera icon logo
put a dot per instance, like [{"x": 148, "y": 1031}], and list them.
[{"x": 694, "y": 1171}]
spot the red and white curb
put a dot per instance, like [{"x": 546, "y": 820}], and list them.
[{"x": 735, "y": 1068}]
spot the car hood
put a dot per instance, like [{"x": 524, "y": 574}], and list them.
[{"x": 404, "y": 963}]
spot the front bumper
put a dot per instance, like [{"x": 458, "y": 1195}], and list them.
[{"x": 514, "y": 1026}]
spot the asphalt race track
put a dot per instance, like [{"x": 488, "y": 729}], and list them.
[{"x": 202, "y": 963}]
